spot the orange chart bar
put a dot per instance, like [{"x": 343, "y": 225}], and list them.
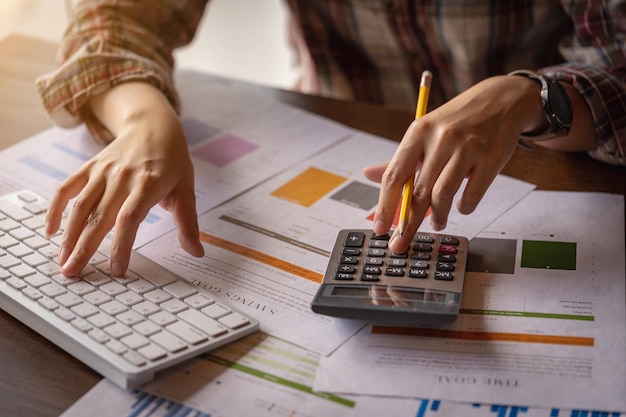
[
  {"x": 485, "y": 336},
  {"x": 261, "y": 257}
]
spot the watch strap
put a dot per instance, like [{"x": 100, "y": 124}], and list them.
[{"x": 556, "y": 106}]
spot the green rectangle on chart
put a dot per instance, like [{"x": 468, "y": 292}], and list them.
[{"x": 549, "y": 255}]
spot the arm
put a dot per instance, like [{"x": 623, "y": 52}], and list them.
[
  {"x": 116, "y": 76},
  {"x": 474, "y": 134}
]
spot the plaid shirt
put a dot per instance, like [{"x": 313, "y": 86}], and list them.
[{"x": 368, "y": 50}]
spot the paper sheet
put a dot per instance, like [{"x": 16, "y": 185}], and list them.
[
  {"x": 266, "y": 251},
  {"x": 542, "y": 319},
  {"x": 263, "y": 376}
]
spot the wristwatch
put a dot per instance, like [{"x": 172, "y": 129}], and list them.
[{"x": 556, "y": 104}]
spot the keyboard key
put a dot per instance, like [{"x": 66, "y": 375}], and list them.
[
  {"x": 101, "y": 320},
  {"x": 134, "y": 358},
  {"x": 48, "y": 303},
  {"x": 53, "y": 289},
  {"x": 113, "y": 288},
  {"x": 140, "y": 286},
  {"x": 81, "y": 288},
  {"x": 32, "y": 293},
  {"x": 65, "y": 314},
  {"x": 82, "y": 325},
  {"x": 113, "y": 307},
  {"x": 202, "y": 322},
  {"x": 85, "y": 310},
  {"x": 63, "y": 280},
  {"x": 216, "y": 310},
  {"x": 130, "y": 317},
  {"x": 117, "y": 330},
  {"x": 135, "y": 341},
  {"x": 97, "y": 279},
  {"x": 97, "y": 297},
  {"x": 234, "y": 320},
  {"x": 152, "y": 352},
  {"x": 37, "y": 280},
  {"x": 129, "y": 298},
  {"x": 20, "y": 250},
  {"x": 116, "y": 346},
  {"x": 22, "y": 271},
  {"x": 98, "y": 335},
  {"x": 163, "y": 318},
  {"x": 68, "y": 300},
  {"x": 199, "y": 300},
  {"x": 168, "y": 341},
  {"x": 14, "y": 211},
  {"x": 180, "y": 289},
  {"x": 174, "y": 306},
  {"x": 146, "y": 308},
  {"x": 8, "y": 261},
  {"x": 187, "y": 332},
  {"x": 157, "y": 296},
  {"x": 146, "y": 328}
]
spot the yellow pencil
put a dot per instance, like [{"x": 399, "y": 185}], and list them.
[{"x": 407, "y": 190}]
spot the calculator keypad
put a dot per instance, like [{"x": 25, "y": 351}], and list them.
[{"x": 431, "y": 260}]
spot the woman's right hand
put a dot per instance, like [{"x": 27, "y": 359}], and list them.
[{"x": 147, "y": 163}]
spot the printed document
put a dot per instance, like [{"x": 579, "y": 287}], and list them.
[
  {"x": 542, "y": 318},
  {"x": 263, "y": 376},
  {"x": 266, "y": 251}
]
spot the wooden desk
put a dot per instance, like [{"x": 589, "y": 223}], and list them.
[{"x": 37, "y": 378}]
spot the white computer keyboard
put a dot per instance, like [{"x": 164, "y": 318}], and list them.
[{"x": 124, "y": 328}]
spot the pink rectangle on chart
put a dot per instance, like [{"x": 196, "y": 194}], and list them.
[{"x": 224, "y": 150}]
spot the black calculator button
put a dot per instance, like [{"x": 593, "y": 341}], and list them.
[
  {"x": 370, "y": 278},
  {"x": 369, "y": 269},
  {"x": 422, "y": 247},
  {"x": 445, "y": 266},
  {"x": 399, "y": 255},
  {"x": 449, "y": 240},
  {"x": 421, "y": 255},
  {"x": 394, "y": 271},
  {"x": 378, "y": 244},
  {"x": 374, "y": 261},
  {"x": 351, "y": 260},
  {"x": 346, "y": 269},
  {"x": 424, "y": 238},
  {"x": 422, "y": 264},
  {"x": 396, "y": 262},
  {"x": 418, "y": 273},
  {"x": 374, "y": 236},
  {"x": 344, "y": 277},
  {"x": 448, "y": 249},
  {"x": 444, "y": 275},
  {"x": 354, "y": 239},
  {"x": 446, "y": 257},
  {"x": 351, "y": 251},
  {"x": 376, "y": 252}
]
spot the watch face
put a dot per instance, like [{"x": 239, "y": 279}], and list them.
[{"x": 560, "y": 104}]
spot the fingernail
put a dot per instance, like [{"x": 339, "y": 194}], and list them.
[
  {"x": 69, "y": 267},
  {"x": 117, "y": 269},
  {"x": 438, "y": 226},
  {"x": 64, "y": 253},
  {"x": 46, "y": 230},
  {"x": 379, "y": 227}
]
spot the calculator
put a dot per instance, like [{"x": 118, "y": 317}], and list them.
[{"x": 422, "y": 286}]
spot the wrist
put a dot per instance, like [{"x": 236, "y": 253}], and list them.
[{"x": 121, "y": 105}]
